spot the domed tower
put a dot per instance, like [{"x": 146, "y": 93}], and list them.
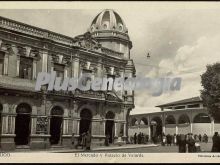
[{"x": 109, "y": 29}]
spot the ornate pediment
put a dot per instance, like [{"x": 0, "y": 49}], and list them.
[
  {"x": 87, "y": 41},
  {"x": 111, "y": 96},
  {"x": 61, "y": 59}
]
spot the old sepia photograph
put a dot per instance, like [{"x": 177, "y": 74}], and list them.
[{"x": 110, "y": 80}]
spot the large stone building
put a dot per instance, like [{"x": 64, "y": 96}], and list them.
[
  {"x": 45, "y": 119},
  {"x": 179, "y": 117}
]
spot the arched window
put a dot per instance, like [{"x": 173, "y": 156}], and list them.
[
  {"x": 202, "y": 118},
  {"x": 57, "y": 111},
  {"x": 184, "y": 119},
  {"x": 134, "y": 122},
  {"x": 110, "y": 115},
  {"x": 170, "y": 119},
  {"x": 23, "y": 108},
  {"x": 144, "y": 121}
]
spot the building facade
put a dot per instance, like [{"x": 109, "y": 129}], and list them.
[
  {"x": 180, "y": 117},
  {"x": 43, "y": 119}
]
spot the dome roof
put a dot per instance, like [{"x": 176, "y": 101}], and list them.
[{"x": 108, "y": 20}]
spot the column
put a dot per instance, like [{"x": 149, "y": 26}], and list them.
[
  {"x": 65, "y": 131},
  {"x": 212, "y": 126},
  {"x": 48, "y": 126},
  {"x": 34, "y": 69},
  {"x": 6, "y": 64},
  {"x": 18, "y": 66},
  {"x": 75, "y": 67},
  {"x": 163, "y": 122},
  {"x": 116, "y": 130},
  {"x": 65, "y": 72},
  {"x": 33, "y": 124},
  {"x": 191, "y": 127},
  {"x": 44, "y": 61},
  {"x": 191, "y": 122},
  {"x": 77, "y": 130},
  {"x": 176, "y": 129},
  {"x": 124, "y": 130},
  {"x": 149, "y": 132},
  {"x": 6, "y": 124},
  {"x": 104, "y": 126},
  {"x": 9, "y": 125}
]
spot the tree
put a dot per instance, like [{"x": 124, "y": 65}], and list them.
[{"x": 210, "y": 93}]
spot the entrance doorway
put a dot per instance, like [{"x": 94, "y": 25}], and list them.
[
  {"x": 109, "y": 126},
  {"x": 1, "y": 109},
  {"x": 56, "y": 125},
  {"x": 156, "y": 129},
  {"x": 85, "y": 121},
  {"x": 22, "y": 124}
]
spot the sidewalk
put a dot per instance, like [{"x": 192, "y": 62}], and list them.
[
  {"x": 105, "y": 148},
  {"x": 97, "y": 148}
]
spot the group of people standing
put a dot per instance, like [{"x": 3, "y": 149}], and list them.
[
  {"x": 84, "y": 140},
  {"x": 188, "y": 143},
  {"x": 174, "y": 139},
  {"x": 140, "y": 138}
]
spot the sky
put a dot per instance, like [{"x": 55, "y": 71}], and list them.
[{"x": 181, "y": 42}]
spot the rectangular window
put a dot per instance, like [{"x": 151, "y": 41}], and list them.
[
  {"x": 26, "y": 68},
  {"x": 1, "y": 63},
  {"x": 59, "y": 69},
  {"x": 113, "y": 78},
  {"x": 86, "y": 71}
]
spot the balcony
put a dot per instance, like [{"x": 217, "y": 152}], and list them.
[
  {"x": 17, "y": 83},
  {"x": 112, "y": 52},
  {"x": 97, "y": 95}
]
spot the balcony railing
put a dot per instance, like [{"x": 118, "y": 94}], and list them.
[
  {"x": 34, "y": 31},
  {"x": 17, "y": 83},
  {"x": 90, "y": 94},
  {"x": 111, "y": 52}
]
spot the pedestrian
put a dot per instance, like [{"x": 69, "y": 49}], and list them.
[
  {"x": 200, "y": 137},
  {"x": 131, "y": 140},
  {"x": 216, "y": 142},
  {"x": 83, "y": 142},
  {"x": 139, "y": 138},
  {"x": 206, "y": 138},
  {"x": 182, "y": 143},
  {"x": 135, "y": 138},
  {"x": 142, "y": 138},
  {"x": 88, "y": 138},
  {"x": 163, "y": 139},
  {"x": 107, "y": 140},
  {"x": 169, "y": 140},
  {"x": 177, "y": 139},
  {"x": 174, "y": 139},
  {"x": 73, "y": 139},
  {"x": 191, "y": 143}
]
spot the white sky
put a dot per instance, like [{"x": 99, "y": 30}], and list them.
[{"x": 181, "y": 40}]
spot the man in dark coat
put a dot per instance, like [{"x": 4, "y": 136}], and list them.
[
  {"x": 107, "y": 140},
  {"x": 135, "y": 138},
  {"x": 216, "y": 143},
  {"x": 182, "y": 143},
  {"x": 88, "y": 138},
  {"x": 191, "y": 143},
  {"x": 169, "y": 139},
  {"x": 139, "y": 138},
  {"x": 200, "y": 137}
]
